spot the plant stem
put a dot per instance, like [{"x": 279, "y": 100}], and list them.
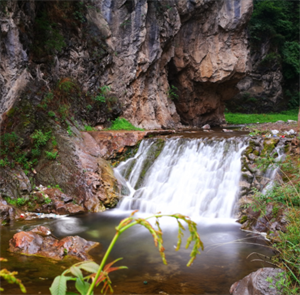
[{"x": 112, "y": 243}]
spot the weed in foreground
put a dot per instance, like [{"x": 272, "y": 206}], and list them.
[{"x": 99, "y": 274}]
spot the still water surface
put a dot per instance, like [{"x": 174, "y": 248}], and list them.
[{"x": 222, "y": 262}]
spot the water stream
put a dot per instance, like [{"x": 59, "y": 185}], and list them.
[{"x": 198, "y": 177}]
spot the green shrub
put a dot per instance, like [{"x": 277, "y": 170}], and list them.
[
  {"x": 172, "y": 92},
  {"x": 102, "y": 95},
  {"x": 40, "y": 138},
  {"x": 51, "y": 155},
  {"x": 123, "y": 124},
  {"x": 51, "y": 114},
  {"x": 88, "y": 128},
  {"x": 20, "y": 202}
]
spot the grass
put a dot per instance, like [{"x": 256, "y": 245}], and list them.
[
  {"x": 286, "y": 244},
  {"x": 123, "y": 124},
  {"x": 238, "y": 118}
]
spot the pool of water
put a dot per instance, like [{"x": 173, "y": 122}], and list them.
[{"x": 223, "y": 261}]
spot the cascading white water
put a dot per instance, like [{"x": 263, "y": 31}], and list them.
[{"x": 196, "y": 177}]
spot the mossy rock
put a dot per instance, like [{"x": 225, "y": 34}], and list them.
[
  {"x": 255, "y": 152},
  {"x": 243, "y": 219},
  {"x": 269, "y": 146},
  {"x": 129, "y": 152}
]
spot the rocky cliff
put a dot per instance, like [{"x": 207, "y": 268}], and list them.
[
  {"x": 166, "y": 62},
  {"x": 261, "y": 90}
]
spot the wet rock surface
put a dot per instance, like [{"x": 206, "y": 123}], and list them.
[
  {"x": 258, "y": 283},
  {"x": 40, "y": 242},
  {"x": 7, "y": 212},
  {"x": 252, "y": 174},
  {"x": 272, "y": 221}
]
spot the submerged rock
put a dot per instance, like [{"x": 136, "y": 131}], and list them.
[
  {"x": 258, "y": 283},
  {"x": 40, "y": 242}
]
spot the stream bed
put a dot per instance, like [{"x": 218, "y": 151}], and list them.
[{"x": 190, "y": 174}]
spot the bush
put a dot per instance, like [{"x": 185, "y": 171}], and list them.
[
  {"x": 123, "y": 124},
  {"x": 51, "y": 155}
]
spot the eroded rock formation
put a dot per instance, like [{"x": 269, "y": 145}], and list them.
[
  {"x": 261, "y": 90},
  {"x": 139, "y": 48}
]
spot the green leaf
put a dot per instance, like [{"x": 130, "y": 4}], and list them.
[
  {"x": 82, "y": 286},
  {"x": 76, "y": 272},
  {"x": 71, "y": 293},
  {"x": 59, "y": 286},
  {"x": 90, "y": 266}
]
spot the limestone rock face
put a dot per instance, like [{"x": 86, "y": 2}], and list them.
[
  {"x": 261, "y": 90},
  {"x": 140, "y": 49}
]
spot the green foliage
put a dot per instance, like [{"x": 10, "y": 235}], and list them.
[
  {"x": 51, "y": 155},
  {"x": 291, "y": 63},
  {"x": 10, "y": 277},
  {"x": 101, "y": 97},
  {"x": 238, "y": 118},
  {"x": 40, "y": 138},
  {"x": 284, "y": 197},
  {"x": 172, "y": 92},
  {"x": 12, "y": 154},
  {"x": 69, "y": 130},
  {"x": 66, "y": 85},
  {"x": 48, "y": 35},
  {"x": 51, "y": 114},
  {"x": 20, "y": 202},
  {"x": 55, "y": 186},
  {"x": 88, "y": 128},
  {"x": 293, "y": 98},
  {"x": 99, "y": 274},
  {"x": 123, "y": 124},
  {"x": 63, "y": 111},
  {"x": 278, "y": 21}
]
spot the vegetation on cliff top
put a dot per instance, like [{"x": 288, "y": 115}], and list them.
[
  {"x": 123, "y": 124},
  {"x": 277, "y": 22},
  {"x": 238, "y": 118}
]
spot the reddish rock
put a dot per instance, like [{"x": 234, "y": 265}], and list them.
[
  {"x": 112, "y": 142},
  {"x": 40, "y": 242}
]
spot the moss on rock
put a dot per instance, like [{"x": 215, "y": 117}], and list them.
[{"x": 269, "y": 146}]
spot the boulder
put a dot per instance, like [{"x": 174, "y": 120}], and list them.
[
  {"x": 261, "y": 282},
  {"x": 40, "y": 242},
  {"x": 206, "y": 127}
]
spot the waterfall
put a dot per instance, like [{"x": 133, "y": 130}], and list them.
[{"x": 195, "y": 177}]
